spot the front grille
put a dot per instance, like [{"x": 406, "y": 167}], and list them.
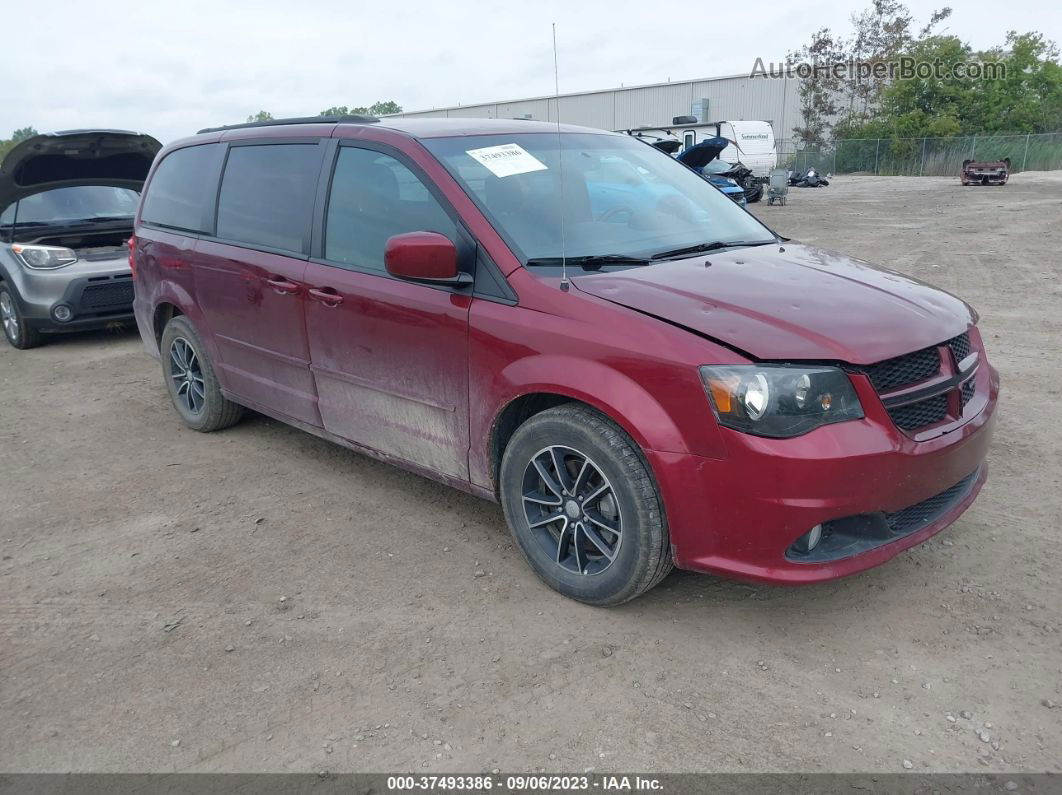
[
  {"x": 113, "y": 295},
  {"x": 960, "y": 346},
  {"x": 924, "y": 412},
  {"x": 928, "y": 511},
  {"x": 902, "y": 370},
  {"x": 913, "y": 368}
]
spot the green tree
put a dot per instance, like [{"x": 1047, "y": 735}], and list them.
[
  {"x": 375, "y": 109},
  {"x": 1019, "y": 89},
  {"x": 21, "y": 134},
  {"x": 384, "y": 108},
  {"x": 820, "y": 90},
  {"x": 262, "y": 115}
]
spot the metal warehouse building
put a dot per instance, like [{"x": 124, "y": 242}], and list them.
[{"x": 776, "y": 100}]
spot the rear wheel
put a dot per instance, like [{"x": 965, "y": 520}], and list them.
[
  {"x": 18, "y": 333},
  {"x": 191, "y": 382},
  {"x": 583, "y": 507}
]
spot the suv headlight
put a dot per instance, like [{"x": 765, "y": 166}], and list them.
[
  {"x": 44, "y": 258},
  {"x": 780, "y": 401}
]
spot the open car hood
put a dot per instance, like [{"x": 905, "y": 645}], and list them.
[
  {"x": 802, "y": 303},
  {"x": 117, "y": 158},
  {"x": 700, "y": 155}
]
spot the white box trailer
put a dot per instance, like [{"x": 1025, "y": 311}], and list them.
[{"x": 752, "y": 142}]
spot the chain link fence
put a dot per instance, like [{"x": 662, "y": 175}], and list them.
[{"x": 917, "y": 157}]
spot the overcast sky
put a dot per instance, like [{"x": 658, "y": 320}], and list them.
[{"x": 170, "y": 68}]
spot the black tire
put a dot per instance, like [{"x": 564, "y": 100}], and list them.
[
  {"x": 641, "y": 550},
  {"x": 23, "y": 336},
  {"x": 753, "y": 190},
  {"x": 207, "y": 409}
]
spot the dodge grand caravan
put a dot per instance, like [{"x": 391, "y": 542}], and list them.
[
  {"x": 642, "y": 375},
  {"x": 67, "y": 201}
]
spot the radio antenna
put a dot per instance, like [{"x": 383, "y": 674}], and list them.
[{"x": 560, "y": 163}]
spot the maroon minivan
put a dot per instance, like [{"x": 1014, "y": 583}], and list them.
[{"x": 574, "y": 324}]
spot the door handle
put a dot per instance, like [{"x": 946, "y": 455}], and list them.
[
  {"x": 282, "y": 285},
  {"x": 325, "y": 295}
]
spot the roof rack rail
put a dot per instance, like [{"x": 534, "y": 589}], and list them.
[{"x": 353, "y": 119}]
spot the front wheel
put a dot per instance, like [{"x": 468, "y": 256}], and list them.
[
  {"x": 191, "y": 382},
  {"x": 17, "y": 332},
  {"x": 583, "y": 507}
]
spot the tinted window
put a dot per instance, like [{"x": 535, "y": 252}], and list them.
[
  {"x": 373, "y": 197},
  {"x": 267, "y": 194},
  {"x": 179, "y": 189}
]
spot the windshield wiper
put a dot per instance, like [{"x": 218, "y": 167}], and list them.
[
  {"x": 590, "y": 262},
  {"x": 715, "y": 245},
  {"x": 101, "y": 219}
]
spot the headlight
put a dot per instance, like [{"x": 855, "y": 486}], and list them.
[
  {"x": 780, "y": 401},
  {"x": 44, "y": 257}
]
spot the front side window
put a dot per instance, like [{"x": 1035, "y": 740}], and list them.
[
  {"x": 615, "y": 195},
  {"x": 267, "y": 194},
  {"x": 373, "y": 197},
  {"x": 179, "y": 189}
]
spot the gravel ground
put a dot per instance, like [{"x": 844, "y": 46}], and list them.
[{"x": 259, "y": 599}]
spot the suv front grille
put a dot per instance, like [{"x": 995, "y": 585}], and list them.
[
  {"x": 112, "y": 295},
  {"x": 960, "y": 347},
  {"x": 913, "y": 368},
  {"x": 917, "y": 415},
  {"x": 902, "y": 370}
]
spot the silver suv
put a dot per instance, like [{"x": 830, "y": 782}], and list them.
[{"x": 67, "y": 202}]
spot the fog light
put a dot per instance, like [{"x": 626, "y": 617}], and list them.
[
  {"x": 62, "y": 313},
  {"x": 809, "y": 540}
]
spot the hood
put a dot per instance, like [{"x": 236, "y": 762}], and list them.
[
  {"x": 700, "y": 155},
  {"x": 800, "y": 303},
  {"x": 118, "y": 158}
]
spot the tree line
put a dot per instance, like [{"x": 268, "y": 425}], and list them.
[
  {"x": 375, "y": 109},
  {"x": 19, "y": 135},
  {"x": 1024, "y": 96}
]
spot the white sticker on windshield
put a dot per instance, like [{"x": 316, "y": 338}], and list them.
[{"x": 507, "y": 160}]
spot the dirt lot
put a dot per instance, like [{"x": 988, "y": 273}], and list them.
[{"x": 259, "y": 599}]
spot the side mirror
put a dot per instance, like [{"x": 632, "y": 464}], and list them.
[{"x": 426, "y": 257}]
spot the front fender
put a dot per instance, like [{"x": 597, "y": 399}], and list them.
[
  {"x": 614, "y": 393},
  {"x": 608, "y": 390}
]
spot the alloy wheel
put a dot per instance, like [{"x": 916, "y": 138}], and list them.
[
  {"x": 9, "y": 316},
  {"x": 187, "y": 375},
  {"x": 571, "y": 510}
]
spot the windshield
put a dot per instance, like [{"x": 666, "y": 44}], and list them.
[
  {"x": 717, "y": 166},
  {"x": 65, "y": 205},
  {"x": 619, "y": 196}
]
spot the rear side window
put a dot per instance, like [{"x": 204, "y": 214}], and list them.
[
  {"x": 267, "y": 195},
  {"x": 179, "y": 189},
  {"x": 374, "y": 197}
]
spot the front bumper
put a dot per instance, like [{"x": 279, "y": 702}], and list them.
[
  {"x": 94, "y": 300},
  {"x": 740, "y": 515}
]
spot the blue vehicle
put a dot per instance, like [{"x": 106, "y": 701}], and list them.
[{"x": 704, "y": 159}]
